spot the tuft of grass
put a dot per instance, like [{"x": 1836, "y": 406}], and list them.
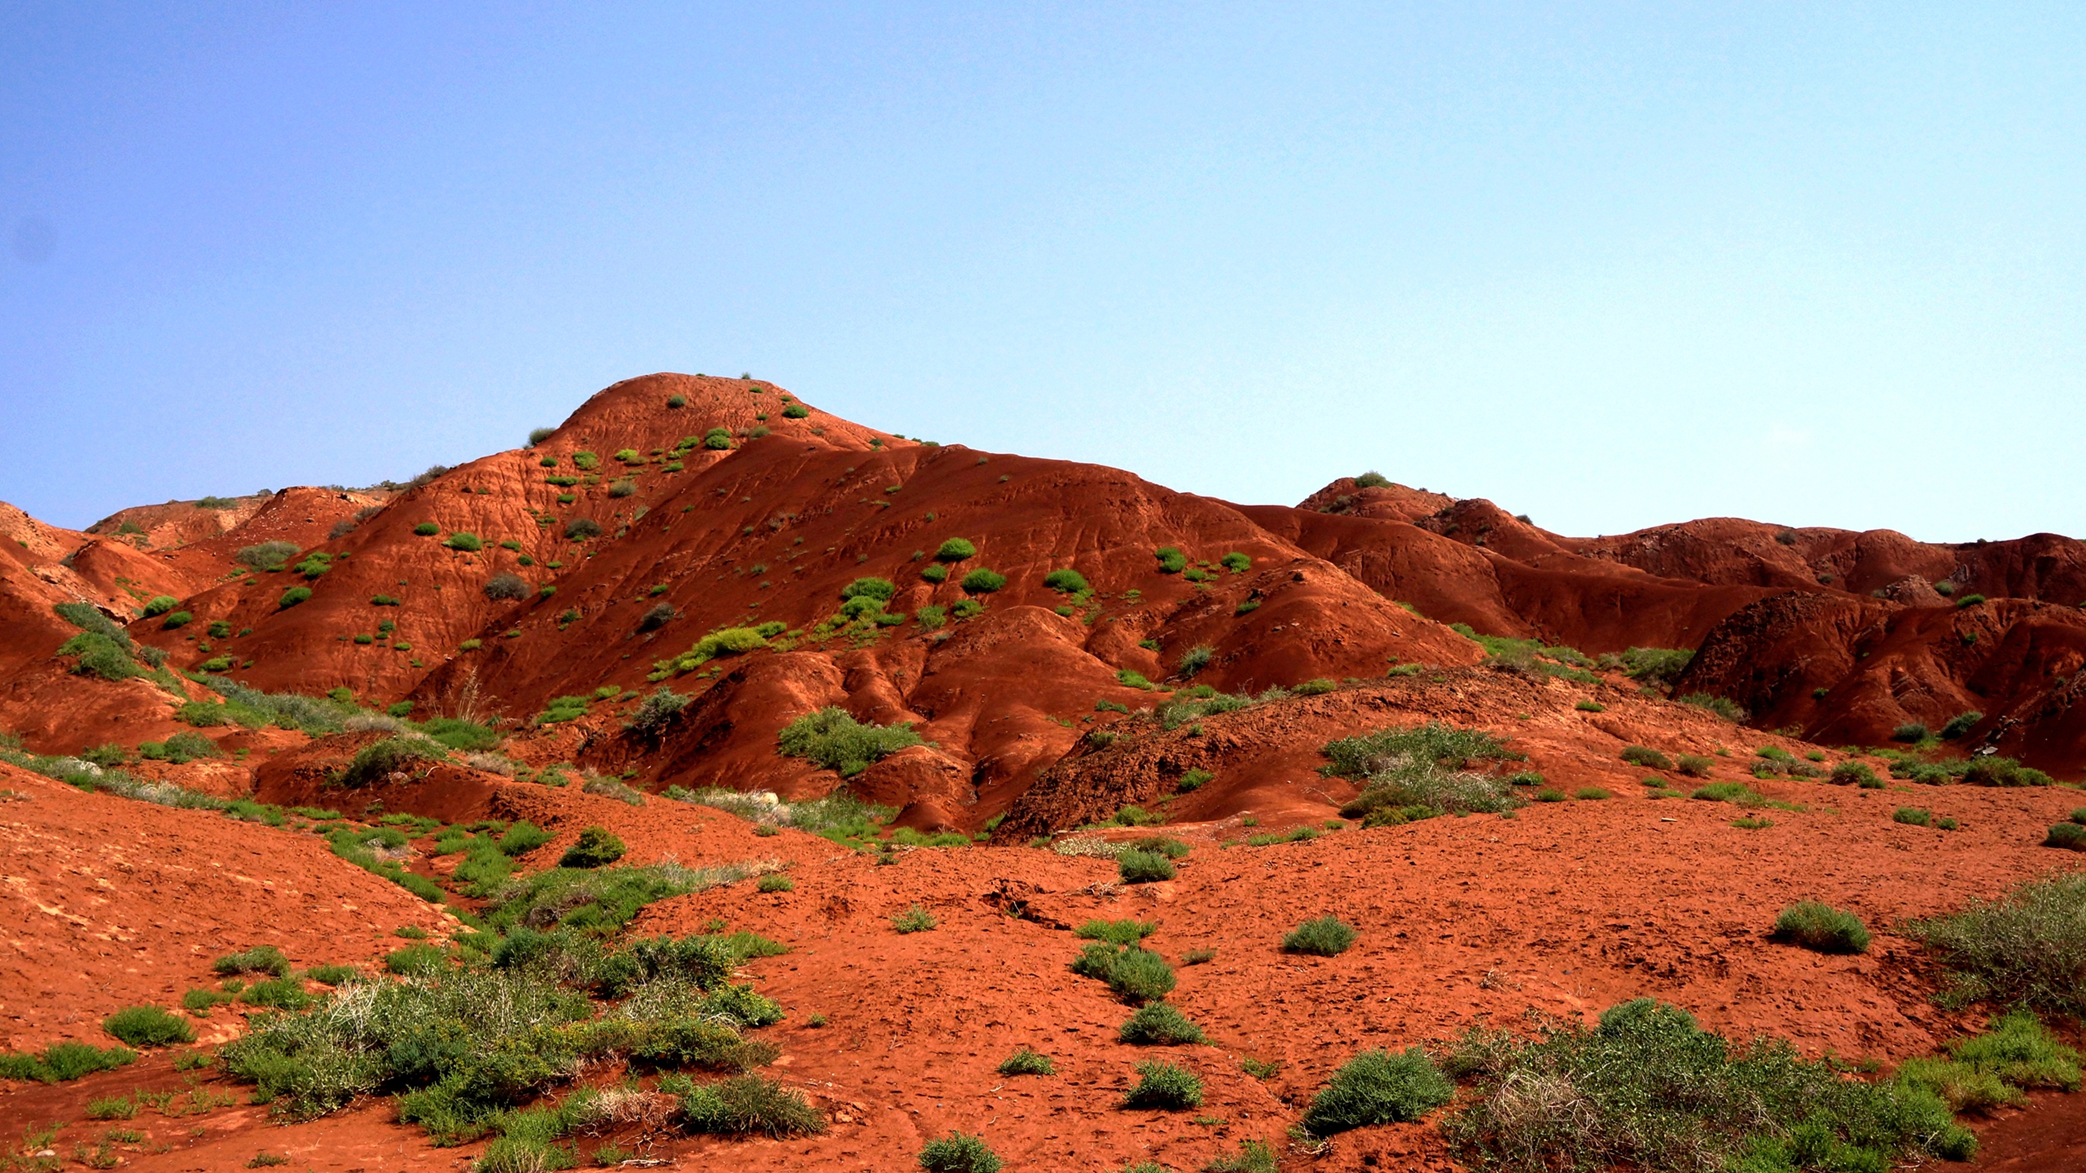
[
  {"x": 1644, "y": 755},
  {"x": 835, "y": 740},
  {"x": 1377, "y": 1087},
  {"x": 1822, "y": 928},
  {"x": 1254, "y": 1156},
  {"x": 1649, "y": 1090},
  {"x": 1134, "y": 974},
  {"x": 1591, "y": 794},
  {"x": 1165, "y": 1086},
  {"x": 1027, "y": 1061},
  {"x": 747, "y": 1104},
  {"x": 260, "y": 959},
  {"x": 957, "y": 1152},
  {"x": 1327, "y": 936},
  {"x": 596, "y": 847},
  {"x": 913, "y": 920},
  {"x": 148, "y": 1026},
  {"x": 775, "y": 882},
  {"x": 1160, "y": 1024},
  {"x": 2026, "y": 948},
  {"x": 1143, "y": 867},
  {"x": 63, "y": 1062}
]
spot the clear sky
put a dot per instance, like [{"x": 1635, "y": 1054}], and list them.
[{"x": 1607, "y": 264}]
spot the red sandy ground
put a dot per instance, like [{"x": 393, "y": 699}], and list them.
[{"x": 1562, "y": 910}]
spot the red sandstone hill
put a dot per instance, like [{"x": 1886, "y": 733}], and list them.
[{"x": 627, "y": 511}]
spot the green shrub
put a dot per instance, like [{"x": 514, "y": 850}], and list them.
[
  {"x": 427, "y": 529},
  {"x": 717, "y": 439},
  {"x": 63, "y": 1062},
  {"x": 1163, "y": 1085},
  {"x": 2027, "y": 948},
  {"x": 265, "y": 555},
  {"x": 159, "y": 605},
  {"x": 1236, "y": 562},
  {"x": 1246, "y": 606},
  {"x": 1693, "y": 765},
  {"x": 333, "y": 975},
  {"x": 148, "y": 1026},
  {"x": 293, "y": 596},
  {"x": 983, "y": 582},
  {"x": 177, "y": 619},
  {"x": 1910, "y": 731},
  {"x": 380, "y": 760},
  {"x": 1852, "y": 773},
  {"x": 797, "y": 411},
  {"x": 259, "y": 959},
  {"x": 1326, "y": 936},
  {"x": 2067, "y": 835},
  {"x": 913, "y": 920},
  {"x": 1254, "y": 1156},
  {"x": 1171, "y": 560},
  {"x": 1969, "y": 601},
  {"x": 1644, "y": 755},
  {"x": 1587, "y": 706},
  {"x": 1026, "y": 1061},
  {"x": 835, "y": 740},
  {"x": 1377, "y": 1087},
  {"x": 1115, "y": 932},
  {"x": 1722, "y": 707},
  {"x": 1159, "y": 1024},
  {"x": 1066, "y": 581},
  {"x": 1649, "y": 1090},
  {"x": 749, "y": 1104},
  {"x": 1132, "y": 973},
  {"x": 1193, "y": 780},
  {"x": 1912, "y": 816},
  {"x": 1194, "y": 660},
  {"x": 2000, "y": 771},
  {"x": 1591, "y": 794},
  {"x": 1960, "y": 724},
  {"x": 955, "y": 550},
  {"x": 1822, "y": 928},
  {"x": 776, "y": 882},
  {"x": 965, "y": 608},
  {"x": 1143, "y": 867},
  {"x": 579, "y": 529},
  {"x": 935, "y": 573},
  {"x": 596, "y": 847},
  {"x": 285, "y": 993},
  {"x": 957, "y": 1152}
]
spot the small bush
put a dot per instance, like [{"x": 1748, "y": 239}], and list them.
[
  {"x": 1159, "y": 1024},
  {"x": 1327, "y": 936},
  {"x": 983, "y": 582},
  {"x": 957, "y": 1152},
  {"x": 159, "y": 605},
  {"x": 913, "y": 920},
  {"x": 427, "y": 529},
  {"x": 1065, "y": 582},
  {"x": 1960, "y": 724},
  {"x": 797, "y": 411},
  {"x": 265, "y": 555},
  {"x": 835, "y": 740},
  {"x": 955, "y": 550},
  {"x": 1969, "y": 601},
  {"x": 468, "y": 543},
  {"x": 596, "y": 847},
  {"x": 1143, "y": 867},
  {"x": 63, "y": 1062},
  {"x": 622, "y": 488},
  {"x": 935, "y": 573},
  {"x": 1910, "y": 731},
  {"x": 1822, "y": 928},
  {"x": 1025, "y": 1061},
  {"x": 293, "y": 596},
  {"x": 1853, "y": 773},
  {"x": 579, "y": 529},
  {"x": 1166, "y": 1086},
  {"x": 2070, "y": 836},
  {"x": 506, "y": 587},
  {"x": 1721, "y": 706},
  {"x": 148, "y": 1026},
  {"x": 748, "y": 1104},
  {"x": 260, "y": 959},
  {"x": 1644, "y": 755},
  {"x": 1193, "y": 780},
  {"x": 1693, "y": 765},
  {"x": 1912, "y": 816},
  {"x": 1171, "y": 560},
  {"x": 1377, "y": 1087},
  {"x": 1591, "y": 794}
]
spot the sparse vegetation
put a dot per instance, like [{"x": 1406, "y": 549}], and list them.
[
  {"x": 1377, "y": 1087},
  {"x": 1652, "y": 1091},
  {"x": 914, "y": 920},
  {"x": 1418, "y": 773},
  {"x": 1160, "y": 1024},
  {"x": 983, "y": 581},
  {"x": 1644, "y": 755},
  {"x": 957, "y": 1152},
  {"x": 1166, "y": 1086},
  {"x": 596, "y": 847},
  {"x": 1822, "y": 928},
  {"x": 1027, "y": 1061},
  {"x": 2026, "y": 948},
  {"x": 835, "y": 740},
  {"x": 1327, "y": 936},
  {"x": 148, "y": 1026}
]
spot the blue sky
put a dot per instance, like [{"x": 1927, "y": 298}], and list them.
[{"x": 1611, "y": 265}]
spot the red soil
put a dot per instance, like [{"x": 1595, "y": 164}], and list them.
[{"x": 1563, "y": 909}]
